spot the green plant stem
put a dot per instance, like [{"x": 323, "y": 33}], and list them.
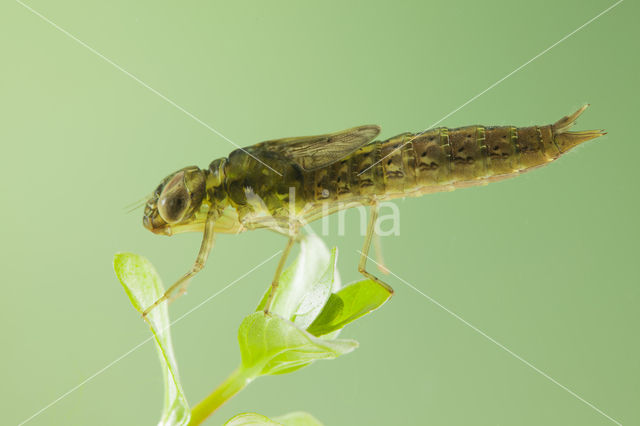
[{"x": 231, "y": 386}]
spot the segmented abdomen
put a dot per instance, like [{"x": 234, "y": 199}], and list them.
[
  {"x": 444, "y": 159},
  {"x": 435, "y": 160},
  {"x": 468, "y": 154}
]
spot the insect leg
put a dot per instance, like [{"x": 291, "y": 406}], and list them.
[
  {"x": 377, "y": 245},
  {"x": 276, "y": 278},
  {"x": 365, "y": 249},
  {"x": 206, "y": 246}
]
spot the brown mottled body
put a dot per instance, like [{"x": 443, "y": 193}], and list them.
[
  {"x": 407, "y": 165},
  {"x": 285, "y": 183},
  {"x": 440, "y": 159}
]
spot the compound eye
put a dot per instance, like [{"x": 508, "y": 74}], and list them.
[{"x": 174, "y": 200}]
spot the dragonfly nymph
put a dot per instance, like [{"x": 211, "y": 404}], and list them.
[{"x": 286, "y": 183}]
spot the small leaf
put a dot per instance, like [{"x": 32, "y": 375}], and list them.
[
  {"x": 143, "y": 286},
  {"x": 347, "y": 305},
  {"x": 251, "y": 419},
  {"x": 298, "y": 418},
  {"x": 330, "y": 313},
  {"x": 272, "y": 345},
  {"x": 319, "y": 292},
  {"x": 303, "y": 285}
]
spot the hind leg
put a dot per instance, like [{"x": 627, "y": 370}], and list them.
[{"x": 365, "y": 250}]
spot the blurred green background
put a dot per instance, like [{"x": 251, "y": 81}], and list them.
[{"x": 546, "y": 264}]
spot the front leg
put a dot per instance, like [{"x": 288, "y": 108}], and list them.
[{"x": 208, "y": 239}]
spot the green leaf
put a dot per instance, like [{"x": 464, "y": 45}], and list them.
[
  {"x": 305, "y": 286},
  {"x": 251, "y": 419},
  {"x": 319, "y": 292},
  {"x": 298, "y": 418},
  {"x": 347, "y": 305},
  {"x": 272, "y": 345},
  {"x": 143, "y": 286}
]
